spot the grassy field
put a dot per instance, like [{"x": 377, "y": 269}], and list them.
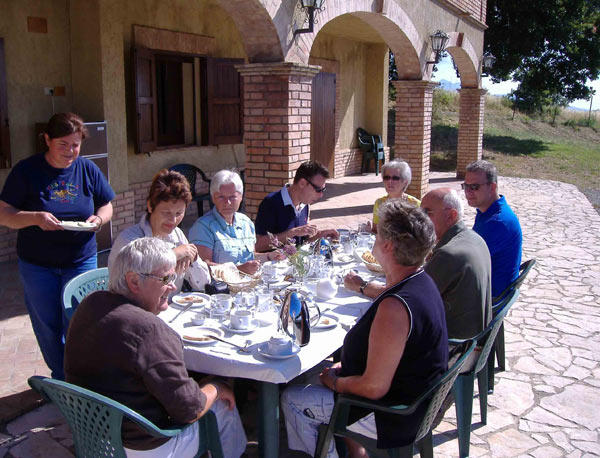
[{"x": 522, "y": 146}]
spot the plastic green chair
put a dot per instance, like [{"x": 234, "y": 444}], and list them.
[
  {"x": 190, "y": 171},
  {"x": 372, "y": 148},
  {"x": 95, "y": 421},
  {"x": 464, "y": 385},
  {"x": 82, "y": 285},
  {"x": 498, "y": 351},
  {"x": 433, "y": 397}
]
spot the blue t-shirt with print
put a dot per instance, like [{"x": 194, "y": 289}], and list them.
[
  {"x": 70, "y": 194},
  {"x": 228, "y": 242},
  {"x": 501, "y": 230}
]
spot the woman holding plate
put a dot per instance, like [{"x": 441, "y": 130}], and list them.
[{"x": 39, "y": 195}]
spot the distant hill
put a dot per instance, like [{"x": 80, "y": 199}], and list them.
[{"x": 448, "y": 85}]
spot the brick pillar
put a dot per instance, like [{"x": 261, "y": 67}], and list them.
[
  {"x": 412, "y": 141},
  {"x": 277, "y": 110},
  {"x": 470, "y": 128}
]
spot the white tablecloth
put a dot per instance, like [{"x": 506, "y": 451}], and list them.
[{"x": 222, "y": 359}]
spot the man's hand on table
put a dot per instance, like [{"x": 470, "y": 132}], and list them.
[
  {"x": 249, "y": 267},
  {"x": 329, "y": 233},
  {"x": 308, "y": 230}
]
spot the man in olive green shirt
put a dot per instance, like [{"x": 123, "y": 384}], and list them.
[{"x": 460, "y": 266}]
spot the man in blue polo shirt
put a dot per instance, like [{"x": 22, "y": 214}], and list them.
[
  {"x": 495, "y": 222},
  {"x": 285, "y": 213}
]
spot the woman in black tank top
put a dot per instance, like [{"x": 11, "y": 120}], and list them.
[{"x": 398, "y": 348}]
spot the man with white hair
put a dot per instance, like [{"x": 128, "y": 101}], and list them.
[
  {"x": 459, "y": 265},
  {"x": 117, "y": 346}
]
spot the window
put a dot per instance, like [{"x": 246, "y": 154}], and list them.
[
  {"x": 5, "y": 160},
  {"x": 184, "y": 99}
]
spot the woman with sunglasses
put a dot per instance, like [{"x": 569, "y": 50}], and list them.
[{"x": 396, "y": 176}]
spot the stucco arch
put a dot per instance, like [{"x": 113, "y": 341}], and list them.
[
  {"x": 394, "y": 26},
  {"x": 465, "y": 58},
  {"x": 254, "y": 22}
]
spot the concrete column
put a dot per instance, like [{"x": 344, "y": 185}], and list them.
[
  {"x": 277, "y": 111},
  {"x": 413, "y": 130},
  {"x": 470, "y": 128}
]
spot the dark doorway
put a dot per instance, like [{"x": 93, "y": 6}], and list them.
[{"x": 322, "y": 130}]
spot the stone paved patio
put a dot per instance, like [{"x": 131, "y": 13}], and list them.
[{"x": 545, "y": 405}]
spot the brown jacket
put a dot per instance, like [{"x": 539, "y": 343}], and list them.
[{"x": 128, "y": 354}]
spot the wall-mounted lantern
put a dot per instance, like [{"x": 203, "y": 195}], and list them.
[
  {"x": 439, "y": 40},
  {"x": 310, "y": 6}
]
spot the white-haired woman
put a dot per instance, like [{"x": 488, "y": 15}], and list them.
[
  {"x": 223, "y": 234},
  {"x": 396, "y": 175},
  {"x": 118, "y": 346}
]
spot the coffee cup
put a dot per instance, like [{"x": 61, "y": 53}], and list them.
[
  {"x": 240, "y": 319},
  {"x": 279, "y": 346}
]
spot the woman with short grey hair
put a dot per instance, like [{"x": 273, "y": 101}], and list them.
[
  {"x": 396, "y": 176},
  {"x": 223, "y": 234},
  {"x": 394, "y": 352}
]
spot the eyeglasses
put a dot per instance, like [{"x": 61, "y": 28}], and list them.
[
  {"x": 429, "y": 211},
  {"x": 393, "y": 178},
  {"x": 165, "y": 280},
  {"x": 472, "y": 186},
  {"x": 317, "y": 189}
]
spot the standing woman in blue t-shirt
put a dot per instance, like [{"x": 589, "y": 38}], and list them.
[{"x": 39, "y": 193}]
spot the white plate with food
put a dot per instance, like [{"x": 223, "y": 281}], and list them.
[
  {"x": 367, "y": 258},
  {"x": 327, "y": 322},
  {"x": 199, "y": 300},
  {"x": 263, "y": 349},
  {"x": 78, "y": 226},
  {"x": 199, "y": 335}
]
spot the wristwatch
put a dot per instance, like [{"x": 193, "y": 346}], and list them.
[{"x": 363, "y": 285}]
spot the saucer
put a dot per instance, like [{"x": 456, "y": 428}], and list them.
[
  {"x": 263, "y": 349},
  {"x": 227, "y": 326},
  {"x": 181, "y": 300}
]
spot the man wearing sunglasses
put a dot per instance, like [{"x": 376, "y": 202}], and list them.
[
  {"x": 495, "y": 222},
  {"x": 285, "y": 213}
]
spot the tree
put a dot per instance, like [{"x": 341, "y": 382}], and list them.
[{"x": 551, "y": 47}]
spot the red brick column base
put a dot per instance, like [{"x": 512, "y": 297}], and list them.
[
  {"x": 470, "y": 128},
  {"x": 277, "y": 111},
  {"x": 413, "y": 130}
]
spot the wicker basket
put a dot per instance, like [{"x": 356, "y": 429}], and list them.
[{"x": 245, "y": 281}]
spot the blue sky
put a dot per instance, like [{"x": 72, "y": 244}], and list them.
[{"x": 446, "y": 72}]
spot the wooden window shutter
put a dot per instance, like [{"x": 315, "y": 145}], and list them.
[
  {"x": 144, "y": 80},
  {"x": 5, "y": 159},
  {"x": 222, "y": 120}
]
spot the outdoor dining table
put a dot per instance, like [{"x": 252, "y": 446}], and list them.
[{"x": 224, "y": 360}]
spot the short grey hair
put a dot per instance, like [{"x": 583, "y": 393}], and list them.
[
  {"x": 142, "y": 256},
  {"x": 491, "y": 173},
  {"x": 225, "y": 177},
  {"x": 452, "y": 200},
  {"x": 404, "y": 171},
  {"x": 409, "y": 229}
]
